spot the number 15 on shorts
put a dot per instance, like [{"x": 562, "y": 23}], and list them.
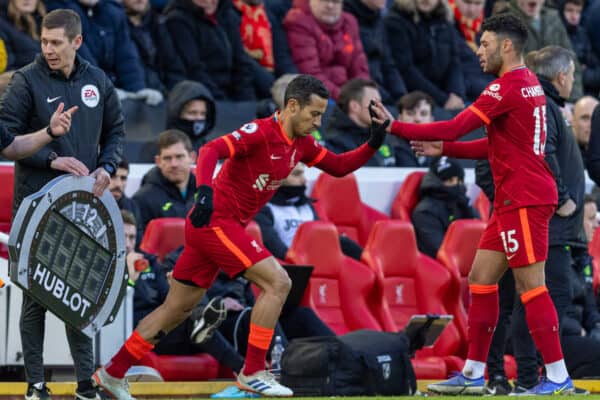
[{"x": 511, "y": 244}]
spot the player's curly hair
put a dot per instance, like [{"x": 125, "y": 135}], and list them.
[
  {"x": 302, "y": 87},
  {"x": 508, "y": 26}
]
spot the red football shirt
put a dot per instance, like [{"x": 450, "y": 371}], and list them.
[
  {"x": 513, "y": 107},
  {"x": 261, "y": 157}
]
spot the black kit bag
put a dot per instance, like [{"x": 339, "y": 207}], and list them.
[{"x": 360, "y": 363}]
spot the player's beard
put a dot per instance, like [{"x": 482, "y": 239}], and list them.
[{"x": 494, "y": 62}]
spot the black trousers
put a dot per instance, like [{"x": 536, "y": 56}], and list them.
[
  {"x": 512, "y": 318},
  {"x": 582, "y": 356},
  {"x": 32, "y": 326}
]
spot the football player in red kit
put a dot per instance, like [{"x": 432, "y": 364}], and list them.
[
  {"x": 513, "y": 109},
  {"x": 259, "y": 156}
]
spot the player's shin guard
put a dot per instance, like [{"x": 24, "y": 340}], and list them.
[
  {"x": 133, "y": 350},
  {"x": 259, "y": 341},
  {"x": 542, "y": 321},
  {"x": 483, "y": 316}
]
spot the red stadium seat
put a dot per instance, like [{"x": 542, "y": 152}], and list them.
[
  {"x": 338, "y": 201},
  {"x": 482, "y": 205},
  {"x": 411, "y": 283},
  {"x": 594, "y": 250},
  {"x": 457, "y": 252},
  {"x": 197, "y": 367},
  {"x": 253, "y": 229},
  {"x": 408, "y": 196},
  {"x": 7, "y": 173},
  {"x": 339, "y": 285},
  {"x": 163, "y": 235}
]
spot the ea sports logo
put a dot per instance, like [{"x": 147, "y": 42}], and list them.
[{"x": 90, "y": 95}]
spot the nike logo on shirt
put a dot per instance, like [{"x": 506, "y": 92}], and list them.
[
  {"x": 274, "y": 157},
  {"x": 52, "y": 100}
]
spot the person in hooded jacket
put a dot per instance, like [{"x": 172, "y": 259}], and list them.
[
  {"x": 348, "y": 124},
  {"x": 374, "y": 39},
  {"x": 442, "y": 200},
  {"x": 168, "y": 189},
  {"x": 207, "y": 37},
  {"x": 287, "y": 210},
  {"x": 192, "y": 110}
]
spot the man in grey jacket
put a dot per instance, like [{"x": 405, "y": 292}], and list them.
[{"x": 92, "y": 148}]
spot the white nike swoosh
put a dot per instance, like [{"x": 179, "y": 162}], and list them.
[
  {"x": 51, "y": 100},
  {"x": 510, "y": 257},
  {"x": 274, "y": 157}
]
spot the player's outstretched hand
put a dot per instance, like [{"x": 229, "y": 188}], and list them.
[
  {"x": 203, "y": 208},
  {"x": 427, "y": 149},
  {"x": 60, "y": 122},
  {"x": 379, "y": 125}
]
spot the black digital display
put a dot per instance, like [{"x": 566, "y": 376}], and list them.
[{"x": 73, "y": 256}]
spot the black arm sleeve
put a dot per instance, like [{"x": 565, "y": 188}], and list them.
[
  {"x": 113, "y": 128},
  {"x": 555, "y": 127}
]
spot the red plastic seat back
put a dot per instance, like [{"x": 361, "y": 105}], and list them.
[
  {"x": 408, "y": 196},
  {"x": 339, "y": 286},
  {"x": 458, "y": 249},
  {"x": 482, "y": 205},
  {"x": 163, "y": 235},
  {"x": 396, "y": 267},
  {"x": 253, "y": 229},
  {"x": 7, "y": 176},
  {"x": 195, "y": 367},
  {"x": 594, "y": 250},
  {"x": 412, "y": 282},
  {"x": 338, "y": 201}
]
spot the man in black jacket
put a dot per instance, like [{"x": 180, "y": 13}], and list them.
[
  {"x": 168, "y": 189},
  {"x": 208, "y": 40},
  {"x": 348, "y": 125},
  {"x": 442, "y": 200},
  {"x": 374, "y": 39},
  {"x": 95, "y": 144},
  {"x": 554, "y": 67}
]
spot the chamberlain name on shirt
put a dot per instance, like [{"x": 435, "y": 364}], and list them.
[{"x": 532, "y": 91}]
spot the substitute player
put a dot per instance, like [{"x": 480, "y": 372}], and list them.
[
  {"x": 260, "y": 155},
  {"x": 513, "y": 108}
]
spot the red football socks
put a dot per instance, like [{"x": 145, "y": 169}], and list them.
[
  {"x": 542, "y": 321},
  {"x": 132, "y": 351},
  {"x": 259, "y": 341},
  {"x": 483, "y": 316}
]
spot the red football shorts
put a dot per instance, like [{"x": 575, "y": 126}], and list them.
[
  {"x": 521, "y": 234},
  {"x": 222, "y": 245}
]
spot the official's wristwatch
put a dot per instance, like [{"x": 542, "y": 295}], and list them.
[
  {"x": 109, "y": 168},
  {"x": 49, "y": 132},
  {"x": 51, "y": 157}
]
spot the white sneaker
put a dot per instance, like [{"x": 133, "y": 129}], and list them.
[
  {"x": 116, "y": 388},
  {"x": 264, "y": 383},
  {"x": 212, "y": 316}
]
